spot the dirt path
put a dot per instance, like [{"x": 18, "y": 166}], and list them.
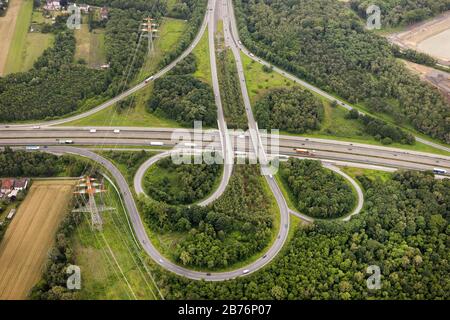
[
  {"x": 24, "y": 248},
  {"x": 7, "y": 27}
]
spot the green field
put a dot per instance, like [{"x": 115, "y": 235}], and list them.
[
  {"x": 113, "y": 266},
  {"x": 25, "y": 47},
  {"x": 259, "y": 82},
  {"x": 201, "y": 53},
  {"x": 169, "y": 33},
  {"x": 371, "y": 174},
  {"x": 90, "y": 46},
  {"x": 136, "y": 116}
]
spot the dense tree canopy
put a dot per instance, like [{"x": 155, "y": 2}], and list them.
[
  {"x": 180, "y": 184},
  {"x": 233, "y": 228},
  {"x": 290, "y": 109},
  {"x": 404, "y": 229},
  {"x": 382, "y": 131},
  {"x": 183, "y": 98},
  {"x": 401, "y": 12},
  {"x": 324, "y": 42},
  {"x": 39, "y": 164},
  {"x": 317, "y": 191}
]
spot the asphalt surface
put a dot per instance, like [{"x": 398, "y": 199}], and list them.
[{"x": 235, "y": 38}]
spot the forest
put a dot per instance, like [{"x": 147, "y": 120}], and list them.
[
  {"x": 182, "y": 97},
  {"x": 381, "y": 130},
  {"x": 316, "y": 191},
  {"x": 289, "y": 109},
  {"x": 401, "y": 12},
  {"x": 230, "y": 93},
  {"x": 181, "y": 184},
  {"x": 39, "y": 164},
  {"x": 404, "y": 229},
  {"x": 236, "y": 226},
  {"x": 325, "y": 43}
]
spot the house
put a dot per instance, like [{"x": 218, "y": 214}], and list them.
[
  {"x": 53, "y": 5},
  {"x": 21, "y": 184},
  {"x": 84, "y": 8},
  {"x": 7, "y": 185},
  {"x": 104, "y": 13},
  {"x": 13, "y": 194}
]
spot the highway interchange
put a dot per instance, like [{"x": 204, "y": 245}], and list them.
[{"x": 331, "y": 152}]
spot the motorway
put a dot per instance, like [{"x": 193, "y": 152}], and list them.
[
  {"x": 324, "y": 148},
  {"x": 338, "y": 151}
]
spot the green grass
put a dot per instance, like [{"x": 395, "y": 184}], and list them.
[
  {"x": 258, "y": 81},
  {"x": 371, "y": 174},
  {"x": 169, "y": 33},
  {"x": 15, "y": 57},
  {"x": 201, "y": 53},
  {"x": 90, "y": 46},
  {"x": 137, "y": 116},
  {"x": 113, "y": 266},
  {"x": 36, "y": 44}
]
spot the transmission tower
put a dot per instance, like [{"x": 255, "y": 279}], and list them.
[
  {"x": 89, "y": 187},
  {"x": 150, "y": 31}
]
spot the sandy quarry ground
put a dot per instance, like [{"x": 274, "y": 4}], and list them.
[
  {"x": 432, "y": 37},
  {"x": 439, "y": 79},
  {"x": 7, "y": 27},
  {"x": 24, "y": 248}
]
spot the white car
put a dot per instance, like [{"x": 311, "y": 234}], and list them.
[
  {"x": 252, "y": 55},
  {"x": 116, "y": 131},
  {"x": 36, "y": 127},
  {"x": 93, "y": 130},
  {"x": 245, "y": 271}
]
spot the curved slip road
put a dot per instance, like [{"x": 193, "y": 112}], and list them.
[{"x": 141, "y": 234}]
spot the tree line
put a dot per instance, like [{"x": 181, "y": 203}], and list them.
[
  {"x": 318, "y": 192},
  {"x": 381, "y": 130},
  {"x": 291, "y": 109},
  {"x": 400, "y": 12},
  {"x": 236, "y": 226},
  {"x": 20, "y": 163},
  {"x": 403, "y": 229},
  {"x": 324, "y": 42},
  {"x": 233, "y": 104}
]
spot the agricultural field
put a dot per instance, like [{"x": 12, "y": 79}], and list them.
[
  {"x": 15, "y": 16},
  {"x": 27, "y": 46},
  {"x": 30, "y": 235},
  {"x": 90, "y": 46}
]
